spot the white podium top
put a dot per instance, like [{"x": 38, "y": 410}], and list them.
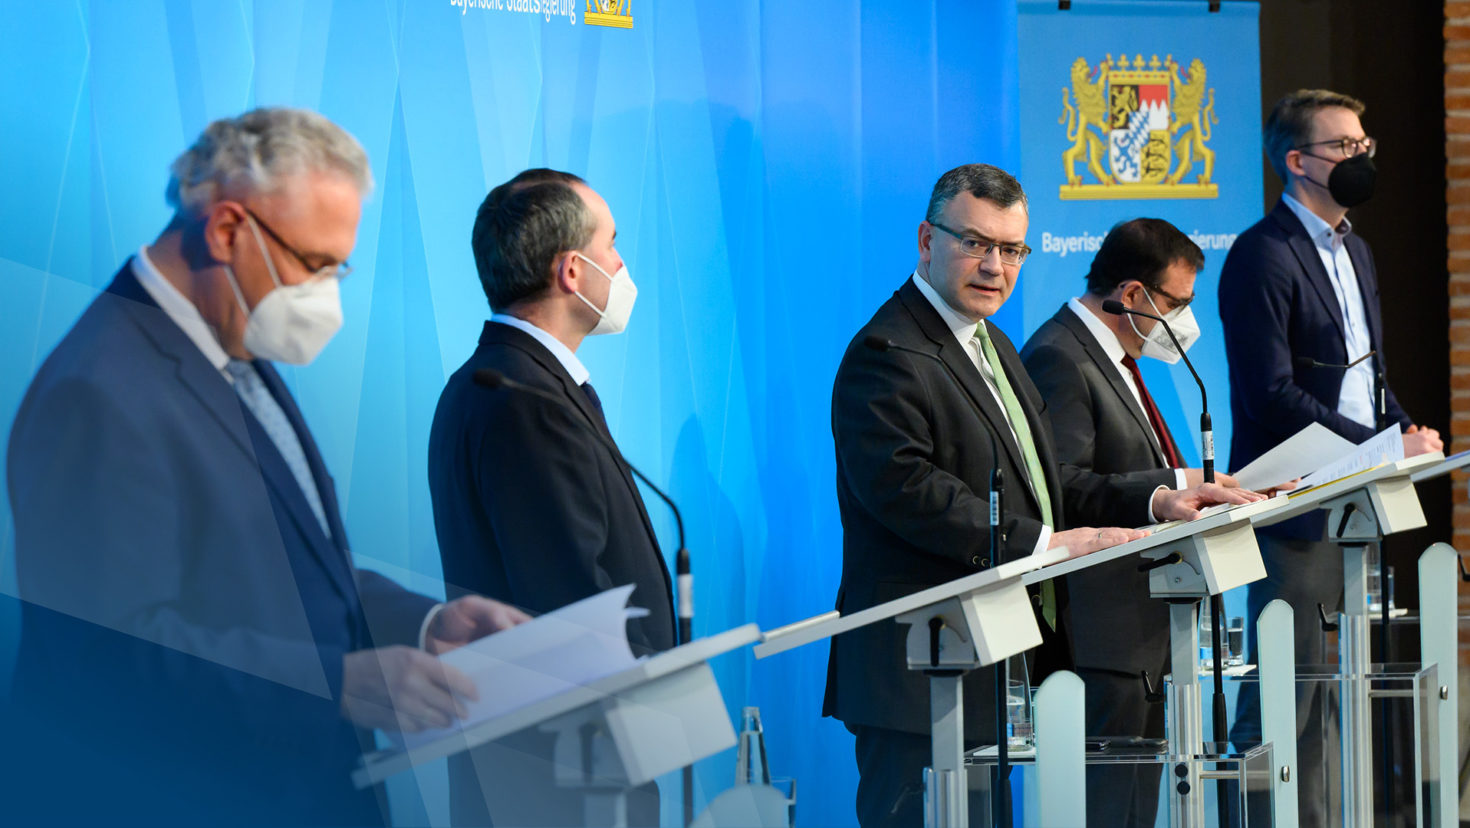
[
  {"x": 1452, "y": 463},
  {"x": 1312, "y": 499},
  {"x": 1214, "y": 517},
  {"x": 829, "y": 624},
  {"x": 382, "y": 764}
]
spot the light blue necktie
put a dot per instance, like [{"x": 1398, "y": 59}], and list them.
[{"x": 267, "y": 411}]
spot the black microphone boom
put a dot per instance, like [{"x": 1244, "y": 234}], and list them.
[{"x": 1206, "y": 431}]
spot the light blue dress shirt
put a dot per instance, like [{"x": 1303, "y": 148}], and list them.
[{"x": 1355, "y": 401}]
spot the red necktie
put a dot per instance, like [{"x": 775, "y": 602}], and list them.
[{"x": 1155, "y": 419}]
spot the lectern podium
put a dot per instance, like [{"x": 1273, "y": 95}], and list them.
[
  {"x": 1362, "y": 509},
  {"x": 612, "y": 735},
  {"x": 970, "y": 622},
  {"x": 1191, "y": 561}
]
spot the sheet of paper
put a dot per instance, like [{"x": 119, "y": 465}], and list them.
[
  {"x": 1310, "y": 449},
  {"x": 1387, "y": 446},
  {"x": 566, "y": 648}
]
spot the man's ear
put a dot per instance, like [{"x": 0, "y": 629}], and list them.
[
  {"x": 1294, "y": 163},
  {"x": 221, "y": 223},
  {"x": 566, "y": 272},
  {"x": 926, "y": 239}
]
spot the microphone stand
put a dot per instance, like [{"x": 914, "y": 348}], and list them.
[
  {"x": 1217, "y": 602},
  {"x": 492, "y": 379},
  {"x": 1385, "y": 623},
  {"x": 1000, "y": 801}
]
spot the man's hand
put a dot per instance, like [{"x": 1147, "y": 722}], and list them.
[
  {"x": 465, "y": 619},
  {"x": 1196, "y": 477},
  {"x": 1421, "y": 441},
  {"x": 402, "y": 688},
  {"x": 1186, "y": 503},
  {"x": 1085, "y": 540}
]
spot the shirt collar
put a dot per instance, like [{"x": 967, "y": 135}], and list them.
[
  {"x": 1321, "y": 233},
  {"x": 563, "y": 354},
  {"x": 959, "y": 324},
  {"x": 1099, "y": 330},
  {"x": 179, "y": 309}
]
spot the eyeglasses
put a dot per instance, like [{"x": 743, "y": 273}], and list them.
[
  {"x": 335, "y": 270},
  {"x": 979, "y": 247},
  {"x": 1175, "y": 302},
  {"x": 1346, "y": 147}
]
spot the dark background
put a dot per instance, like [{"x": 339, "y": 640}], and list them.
[{"x": 1391, "y": 57}]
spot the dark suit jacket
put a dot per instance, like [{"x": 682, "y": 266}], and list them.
[
  {"x": 529, "y": 507},
  {"x": 184, "y": 616},
  {"x": 1113, "y": 624},
  {"x": 913, "y": 470},
  {"x": 1277, "y": 304}
]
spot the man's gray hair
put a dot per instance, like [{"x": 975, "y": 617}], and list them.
[
  {"x": 257, "y": 151},
  {"x": 982, "y": 181}
]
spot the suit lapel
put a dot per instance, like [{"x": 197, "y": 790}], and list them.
[
  {"x": 965, "y": 374},
  {"x": 1040, "y": 435},
  {"x": 1068, "y": 319},
  {"x": 1367, "y": 287},
  {"x": 1311, "y": 261},
  {"x": 331, "y": 552},
  {"x": 577, "y": 398},
  {"x": 196, "y": 374}
]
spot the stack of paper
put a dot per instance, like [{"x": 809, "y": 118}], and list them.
[
  {"x": 566, "y": 648},
  {"x": 1317, "y": 456}
]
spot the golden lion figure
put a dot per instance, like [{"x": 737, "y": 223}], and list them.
[
  {"x": 1091, "y": 110},
  {"x": 1186, "y": 115},
  {"x": 618, "y": 7}
]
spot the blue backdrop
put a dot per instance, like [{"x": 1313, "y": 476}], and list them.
[{"x": 767, "y": 164}]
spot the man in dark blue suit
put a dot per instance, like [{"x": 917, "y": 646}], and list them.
[
  {"x": 1300, "y": 284},
  {"x": 197, "y": 645},
  {"x": 530, "y": 506}
]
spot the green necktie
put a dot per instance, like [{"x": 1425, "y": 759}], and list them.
[{"x": 1022, "y": 427}]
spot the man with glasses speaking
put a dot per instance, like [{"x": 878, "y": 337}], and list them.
[
  {"x": 198, "y": 647},
  {"x": 923, "y": 392},
  {"x": 1299, "y": 286}
]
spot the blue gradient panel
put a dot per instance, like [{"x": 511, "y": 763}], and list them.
[{"x": 767, "y": 165}]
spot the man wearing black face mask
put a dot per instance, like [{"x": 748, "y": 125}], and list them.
[{"x": 1299, "y": 283}]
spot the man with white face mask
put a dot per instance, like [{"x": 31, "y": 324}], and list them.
[
  {"x": 530, "y": 506},
  {"x": 198, "y": 646},
  {"x": 1084, "y": 362}
]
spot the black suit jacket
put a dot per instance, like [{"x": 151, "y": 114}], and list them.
[
  {"x": 913, "y": 468},
  {"x": 529, "y": 506},
  {"x": 1113, "y": 624},
  {"x": 1277, "y": 304},
  {"x": 185, "y": 617}
]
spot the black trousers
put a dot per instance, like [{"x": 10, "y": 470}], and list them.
[
  {"x": 1122, "y": 795},
  {"x": 1303, "y": 574}
]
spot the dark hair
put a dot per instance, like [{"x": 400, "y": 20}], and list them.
[
  {"x": 979, "y": 180},
  {"x": 1140, "y": 249},
  {"x": 1290, "y": 122},
  {"x": 521, "y": 227}
]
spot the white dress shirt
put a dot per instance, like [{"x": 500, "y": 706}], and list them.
[
  {"x": 1355, "y": 401},
  {"x": 1108, "y": 341}
]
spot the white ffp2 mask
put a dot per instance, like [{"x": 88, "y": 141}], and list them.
[
  {"x": 1157, "y": 344},
  {"x": 620, "y": 298},
  {"x": 293, "y": 322}
]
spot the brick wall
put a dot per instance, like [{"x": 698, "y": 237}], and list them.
[{"x": 1457, "y": 196}]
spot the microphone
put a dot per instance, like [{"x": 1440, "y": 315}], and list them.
[
  {"x": 493, "y": 379},
  {"x": 1206, "y": 431},
  {"x": 1304, "y": 363},
  {"x": 1000, "y": 804}
]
